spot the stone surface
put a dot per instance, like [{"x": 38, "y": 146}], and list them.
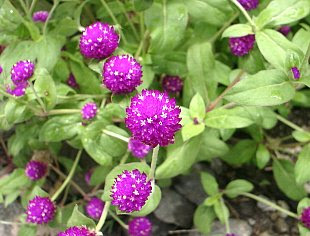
[
  {"x": 10, "y": 214},
  {"x": 238, "y": 227}
]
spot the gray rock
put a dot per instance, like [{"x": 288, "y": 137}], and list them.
[
  {"x": 239, "y": 227},
  {"x": 175, "y": 209},
  {"x": 191, "y": 188},
  {"x": 281, "y": 225},
  {"x": 10, "y": 214}
]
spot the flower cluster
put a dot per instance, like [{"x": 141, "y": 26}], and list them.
[
  {"x": 17, "y": 90},
  {"x": 89, "y": 111},
  {"x": 94, "y": 208},
  {"x": 130, "y": 190},
  {"x": 249, "y": 4},
  {"x": 77, "y": 231},
  {"x": 22, "y": 71},
  {"x": 40, "y": 210},
  {"x": 305, "y": 217},
  {"x": 241, "y": 46},
  {"x": 140, "y": 226},
  {"x": 172, "y": 84},
  {"x": 40, "y": 16},
  {"x": 35, "y": 170},
  {"x": 138, "y": 149},
  {"x": 296, "y": 73}
]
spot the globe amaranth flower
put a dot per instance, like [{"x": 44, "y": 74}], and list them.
[
  {"x": 1, "y": 69},
  {"x": 296, "y": 73},
  {"x": 22, "y": 71},
  {"x": 138, "y": 149},
  {"x": 249, "y": 4},
  {"x": 98, "y": 41},
  {"x": 72, "y": 82},
  {"x": 17, "y": 90},
  {"x": 89, "y": 111},
  {"x": 77, "y": 231},
  {"x": 241, "y": 46},
  {"x": 305, "y": 217},
  {"x": 153, "y": 118},
  {"x": 40, "y": 210},
  {"x": 40, "y": 16},
  {"x": 172, "y": 84},
  {"x": 122, "y": 74},
  {"x": 94, "y": 208},
  {"x": 87, "y": 176},
  {"x": 285, "y": 30},
  {"x": 36, "y": 170},
  {"x": 140, "y": 226},
  {"x": 130, "y": 190}
]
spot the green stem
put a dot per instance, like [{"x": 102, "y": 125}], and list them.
[
  {"x": 56, "y": 2},
  {"x": 63, "y": 111},
  {"x": 142, "y": 27},
  {"x": 115, "y": 135},
  {"x": 153, "y": 163},
  {"x": 289, "y": 123},
  {"x": 124, "y": 158},
  {"x": 40, "y": 101},
  {"x": 115, "y": 217},
  {"x": 82, "y": 96},
  {"x": 69, "y": 177},
  {"x": 106, "y": 6},
  {"x": 271, "y": 204},
  {"x": 33, "y": 4},
  {"x": 142, "y": 43},
  {"x": 227, "y": 226},
  {"x": 23, "y": 6},
  {"x": 245, "y": 13},
  {"x": 103, "y": 216}
]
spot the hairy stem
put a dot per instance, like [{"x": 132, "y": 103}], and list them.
[
  {"x": 33, "y": 4},
  {"x": 40, "y": 101},
  {"x": 245, "y": 13},
  {"x": 56, "y": 2},
  {"x": 153, "y": 163},
  {"x": 63, "y": 111},
  {"x": 289, "y": 123},
  {"x": 103, "y": 216},
  {"x": 115, "y": 217},
  {"x": 115, "y": 135},
  {"x": 142, "y": 43}
]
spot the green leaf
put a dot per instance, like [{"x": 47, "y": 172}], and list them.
[
  {"x": 197, "y": 107},
  {"x": 27, "y": 230},
  {"x": 16, "y": 112},
  {"x": 283, "y": 171},
  {"x": 142, "y": 5},
  {"x": 203, "y": 218},
  {"x": 191, "y": 130},
  {"x": 237, "y": 30},
  {"x": 99, "y": 175},
  {"x": 302, "y": 39},
  {"x": 266, "y": 88},
  {"x": 302, "y": 166},
  {"x": 147, "y": 78},
  {"x": 262, "y": 156},
  {"x": 180, "y": 157},
  {"x": 210, "y": 201},
  {"x": 238, "y": 186},
  {"x": 209, "y": 183},
  {"x": 16, "y": 180},
  {"x": 253, "y": 62},
  {"x": 221, "y": 72},
  {"x": 11, "y": 197},
  {"x": 301, "y": 136},
  {"x": 304, "y": 203},
  {"x": 79, "y": 219},
  {"x": 221, "y": 211}
]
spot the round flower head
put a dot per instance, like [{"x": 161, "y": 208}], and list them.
[
  {"x": 122, "y": 74},
  {"x": 130, "y": 191},
  {"x": 172, "y": 84},
  {"x": 87, "y": 176},
  {"x": 22, "y": 71},
  {"x": 40, "y": 210},
  {"x": 241, "y": 46},
  {"x": 94, "y": 208},
  {"x": 18, "y": 90},
  {"x": 140, "y": 226},
  {"x": 98, "y": 41},
  {"x": 77, "y": 231},
  {"x": 249, "y": 4},
  {"x": 89, "y": 111},
  {"x": 35, "y": 170},
  {"x": 285, "y": 30},
  {"x": 153, "y": 118},
  {"x": 40, "y": 16},
  {"x": 296, "y": 73},
  {"x": 305, "y": 217},
  {"x": 138, "y": 149},
  {"x": 72, "y": 82}
]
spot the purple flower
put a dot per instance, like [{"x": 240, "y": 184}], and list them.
[
  {"x": 153, "y": 118},
  {"x": 40, "y": 210},
  {"x": 36, "y": 170},
  {"x": 140, "y": 226},
  {"x": 77, "y": 231},
  {"x": 138, "y": 149},
  {"x": 98, "y": 41},
  {"x": 40, "y": 16},
  {"x": 285, "y": 30},
  {"x": 249, "y": 4},
  {"x": 94, "y": 208},
  {"x": 87, "y": 176},
  {"x": 72, "y": 82},
  {"x": 89, "y": 111},
  {"x": 172, "y": 84},
  {"x": 122, "y": 74},
  {"x": 22, "y": 71},
  {"x": 130, "y": 190},
  {"x": 296, "y": 73},
  {"x": 241, "y": 46},
  {"x": 18, "y": 90},
  {"x": 1, "y": 69},
  {"x": 231, "y": 234},
  {"x": 305, "y": 217}
]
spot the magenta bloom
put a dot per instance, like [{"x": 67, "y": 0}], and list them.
[
  {"x": 153, "y": 118},
  {"x": 40, "y": 210},
  {"x": 140, "y": 226},
  {"x": 122, "y": 74},
  {"x": 231, "y": 234},
  {"x": 138, "y": 149},
  {"x": 285, "y": 30},
  {"x": 94, "y": 208},
  {"x": 130, "y": 191},
  {"x": 241, "y": 46},
  {"x": 305, "y": 217},
  {"x": 40, "y": 16},
  {"x": 98, "y": 41},
  {"x": 77, "y": 231},
  {"x": 89, "y": 111},
  {"x": 35, "y": 170},
  {"x": 18, "y": 90},
  {"x": 72, "y": 82},
  {"x": 249, "y": 4},
  {"x": 296, "y": 73},
  {"x": 22, "y": 71},
  {"x": 1, "y": 69},
  {"x": 87, "y": 176},
  {"x": 172, "y": 84}
]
